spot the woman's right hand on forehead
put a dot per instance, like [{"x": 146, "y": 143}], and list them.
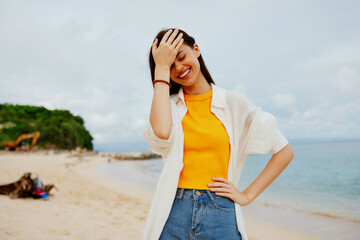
[{"x": 164, "y": 55}]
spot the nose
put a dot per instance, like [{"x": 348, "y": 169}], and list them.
[{"x": 177, "y": 66}]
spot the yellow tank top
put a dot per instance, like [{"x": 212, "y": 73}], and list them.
[{"x": 206, "y": 144}]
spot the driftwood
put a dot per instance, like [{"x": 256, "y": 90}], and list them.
[{"x": 24, "y": 187}]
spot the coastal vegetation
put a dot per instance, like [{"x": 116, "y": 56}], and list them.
[{"x": 59, "y": 129}]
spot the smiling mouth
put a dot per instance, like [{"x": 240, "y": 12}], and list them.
[{"x": 184, "y": 74}]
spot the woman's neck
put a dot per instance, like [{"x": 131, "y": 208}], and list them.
[{"x": 199, "y": 87}]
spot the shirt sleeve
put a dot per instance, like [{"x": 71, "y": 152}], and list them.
[
  {"x": 158, "y": 145},
  {"x": 264, "y": 135}
]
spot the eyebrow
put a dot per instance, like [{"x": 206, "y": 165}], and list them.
[{"x": 179, "y": 53}]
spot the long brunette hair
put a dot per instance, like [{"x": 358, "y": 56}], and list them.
[{"x": 188, "y": 40}]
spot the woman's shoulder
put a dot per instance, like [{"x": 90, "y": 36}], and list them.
[
  {"x": 234, "y": 95},
  {"x": 237, "y": 99}
]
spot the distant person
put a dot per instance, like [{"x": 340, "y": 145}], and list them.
[{"x": 203, "y": 134}]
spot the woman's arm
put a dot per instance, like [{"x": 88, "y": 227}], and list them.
[
  {"x": 278, "y": 162},
  {"x": 164, "y": 56},
  {"x": 160, "y": 113}
]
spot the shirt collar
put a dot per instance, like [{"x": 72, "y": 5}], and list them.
[{"x": 218, "y": 96}]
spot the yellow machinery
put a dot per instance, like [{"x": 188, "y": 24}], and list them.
[{"x": 12, "y": 145}]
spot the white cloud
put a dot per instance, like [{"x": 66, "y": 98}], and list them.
[
  {"x": 325, "y": 121},
  {"x": 91, "y": 59},
  {"x": 347, "y": 81},
  {"x": 332, "y": 54},
  {"x": 284, "y": 101},
  {"x": 315, "y": 112},
  {"x": 240, "y": 88}
]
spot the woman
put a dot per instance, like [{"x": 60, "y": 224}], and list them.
[{"x": 203, "y": 134}]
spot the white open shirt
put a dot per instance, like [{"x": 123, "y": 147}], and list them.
[{"x": 250, "y": 130}]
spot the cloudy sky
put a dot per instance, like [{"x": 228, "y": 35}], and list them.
[{"x": 299, "y": 60}]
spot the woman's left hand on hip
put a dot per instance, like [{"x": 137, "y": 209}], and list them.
[{"x": 225, "y": 188}]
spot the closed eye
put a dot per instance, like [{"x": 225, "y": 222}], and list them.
[{"x": 182, "y": 57}]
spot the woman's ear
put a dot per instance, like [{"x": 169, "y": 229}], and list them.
[{"x": 197, "y": 50}]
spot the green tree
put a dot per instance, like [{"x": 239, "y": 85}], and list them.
[{"x": 58, "y": 128}]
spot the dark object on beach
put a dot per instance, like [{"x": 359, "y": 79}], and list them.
[{"x": 26, "y": 186}]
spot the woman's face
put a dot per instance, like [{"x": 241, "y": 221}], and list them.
[{"x": 186, "y": 68}]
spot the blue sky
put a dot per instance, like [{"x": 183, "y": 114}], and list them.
[{"x": 299, "y": 60}]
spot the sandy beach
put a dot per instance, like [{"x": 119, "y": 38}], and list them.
[{"x": 89, "y": 204}]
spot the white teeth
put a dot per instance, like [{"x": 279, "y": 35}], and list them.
[{"x": 184, "y": 74}]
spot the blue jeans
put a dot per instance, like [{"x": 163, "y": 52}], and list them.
[{"x": 201, "y": 215}]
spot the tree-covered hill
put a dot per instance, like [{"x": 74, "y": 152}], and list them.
[{"x": 58, "y": 128}]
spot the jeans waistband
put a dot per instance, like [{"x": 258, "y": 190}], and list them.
[{"x": 181, "y": 192}]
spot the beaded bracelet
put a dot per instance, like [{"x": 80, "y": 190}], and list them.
[{"x": 163, "y": 81}]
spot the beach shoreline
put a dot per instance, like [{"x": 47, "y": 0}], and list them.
[
  {"x": 297, "y": 220},
  {"x": 91, "y": 204}
]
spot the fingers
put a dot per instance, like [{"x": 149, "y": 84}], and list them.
[
  {"x": 223, "y": 194},
  {"x": 178, "y": 42},
  {"x": 218, "y": 184},
  {"x": 172, "y": 37},
  {"x": 153, "y": 46},
  {"x": 219, "y": 189},
  {"x": 179, "y": 45},
  {"x": 165, "y": 37},
  {"x": 220, "y": 179},
  {"x": 164, "y": 51},
  {"x": 221, "y": 184}
]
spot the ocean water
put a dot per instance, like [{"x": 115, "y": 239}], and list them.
[{"x": 323, "y": 178}]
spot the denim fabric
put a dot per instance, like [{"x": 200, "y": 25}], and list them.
[{"x": 201, "y": 215}]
